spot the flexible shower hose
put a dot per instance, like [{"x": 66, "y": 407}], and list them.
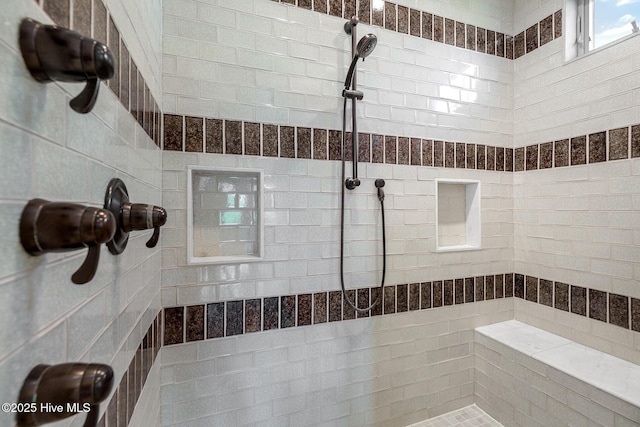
[{"x": 384, "y": 240}]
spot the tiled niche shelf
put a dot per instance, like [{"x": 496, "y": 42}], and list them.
[
  {"x": 458, "y": 211},
  {"x": 91, "y": 18},
  {"x": 184, "y": 324},
  {"x": 224, "y": 215},
  {"x": 418, "y": 23}
]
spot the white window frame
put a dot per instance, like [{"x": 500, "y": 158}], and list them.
[
  {"x": 585, "y": 31},
  {"x": 580, "y": 29}
]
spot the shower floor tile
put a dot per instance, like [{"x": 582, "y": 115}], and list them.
[{"x": 469, "y": 416}]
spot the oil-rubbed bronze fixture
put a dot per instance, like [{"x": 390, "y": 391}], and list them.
[
  {"x": 52, "y": 53},
  {"x": 131, "y": 216},
  {"x": 52, "y": 393},
  {"x": 60, "y": 226}
]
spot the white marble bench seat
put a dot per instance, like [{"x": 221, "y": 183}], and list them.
[{"x": 527, "y": 376}]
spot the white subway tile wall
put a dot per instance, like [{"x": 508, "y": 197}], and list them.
[
  {"x": 299, "y": 86},
  {"x": 53, "y": 153},
  {"x": 279, "y": 64},
  {"x": 577, "y": 224},
  {"x": 299, "y": 75},
  {"x": 303, "y": 224},
  {"x": 397, "y": 369}
]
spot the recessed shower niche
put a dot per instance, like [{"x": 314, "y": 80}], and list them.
[
  {"x": 457, "y": 215},
  {"x": 224, "y": 215}
]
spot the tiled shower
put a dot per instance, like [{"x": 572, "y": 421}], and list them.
[{"x": 468, "y": 91}]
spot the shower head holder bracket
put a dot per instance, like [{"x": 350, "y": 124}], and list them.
[
  {"x": 352, "y": 94},
  {"x": 348, "y": 26},
  {"x": 351, "y": 183}
]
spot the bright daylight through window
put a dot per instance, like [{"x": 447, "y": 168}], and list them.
[
  {"x": 599, "y": 22},
  {"x": 614, "y": 19}
]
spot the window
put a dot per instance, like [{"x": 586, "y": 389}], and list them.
[{"x": 596, "y": 23}]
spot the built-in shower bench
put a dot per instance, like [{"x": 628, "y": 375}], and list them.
[{"x": 527, "y": 376}]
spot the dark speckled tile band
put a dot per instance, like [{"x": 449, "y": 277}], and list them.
[
  {"x": 417, "y": 23},
  {"x": 195, "y": 134},
  {"x": 304, "y": 309},
  {"x": 321, "y": 307},
  {"x": 126, "y": 394},
  {"x": 173, "y": 325},
  {"x": 194, "y": 323},
  {"x": 480, "y": 294},
  {"x": 619, "y": 310},
  {"x": 253, "y": 315}
]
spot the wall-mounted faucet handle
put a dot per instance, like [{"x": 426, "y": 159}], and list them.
[
  {"x": 52, "y": 53},
  {"x": 60, "y": 391},
  {"x": 138, "y": 216},
  {"x": 61, "y": 226},
  {"x": 131, "y": 216}
]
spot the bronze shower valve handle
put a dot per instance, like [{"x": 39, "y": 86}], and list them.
[
  {"x": 131, "y": 216},
  {"x": 138, "y": 216},
  {"x": 53, "y": 53},
  {"x": 53, "y": 393},
  {"x": 61, "y": 227}
]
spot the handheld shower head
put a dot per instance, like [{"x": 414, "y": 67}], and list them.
[{"x": 365, "y": 47}]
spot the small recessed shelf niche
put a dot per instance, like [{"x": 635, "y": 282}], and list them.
[
  {"x": 224, "y": 215},
  {"x": 457, "y": 215}
]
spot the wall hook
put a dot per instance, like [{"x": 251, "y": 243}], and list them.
[
  {"x": 52, "y": 393},
  {"x": 61, "y": 226},
  {"x": 52, "y": 53},
  {"x": 131, "y": 216}
]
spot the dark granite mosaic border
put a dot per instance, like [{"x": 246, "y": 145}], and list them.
[
  {"x": 607, "y": 307},
  {"x": 224, "y": 319},
  {"x": 91, "y": 17},
  {"x": 613, "y": 144},
  {"x": 219, "y": 136},
  {"x": 123, "y": 402},
  {"x": 418, "y": 23}
]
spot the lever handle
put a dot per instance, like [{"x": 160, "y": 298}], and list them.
[
  {"x": 153, "y": 241},
  {"x": 143, "y": 217},
  {"x": 60, "y": 227},
  {"x": 92, "y": 416},
  {"x": 88, "y": 268},
  {"x": 85, "y": 101},
  {"x": 52, "y": 53},
  {"x": 131, "y": 216}
]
